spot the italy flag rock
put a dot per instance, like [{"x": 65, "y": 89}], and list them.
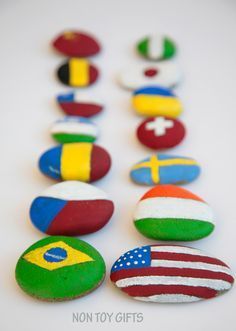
[{"x": 168, "y": 212}]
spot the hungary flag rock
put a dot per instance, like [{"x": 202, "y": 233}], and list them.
[
  {"x": 168, "y": 212},
  {"x": 60, "y": 268}
]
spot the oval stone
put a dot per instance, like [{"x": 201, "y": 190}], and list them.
[
  {"x": 75, "y": 161},
  {"x": 71, "y": 208},
  {"x": 76, "y": 43},
  {"x": 170, "y": 274},
  {"x": 165, "y": 169},
  {"x": 60, "y": 268},
  {"x": 160, "y": 132},
  {"x": 168, "y": 212},
  {"x": 166, "y": 74},
  {"x": 79, "y": 104},
  {"x": 74, "y": 129},
  {"x": 77, "y": 73},
  {"x": 156, "y": 101},
  {"x": 156, "y": 47}
]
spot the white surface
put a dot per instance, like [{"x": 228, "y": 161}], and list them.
[{"x": 205, "y": 33}]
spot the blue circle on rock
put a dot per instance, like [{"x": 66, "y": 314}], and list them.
[{"x": 56, "y": 254}]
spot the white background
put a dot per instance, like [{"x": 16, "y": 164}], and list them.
[{"x": 205, "y": 32}]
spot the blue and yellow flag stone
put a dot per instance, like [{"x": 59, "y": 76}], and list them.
[{"x": 60, "y": 268}]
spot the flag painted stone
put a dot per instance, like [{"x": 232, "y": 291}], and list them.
[
  {"x": 86, "y": 162},
  {"x": 74, "y": 129},
  {"x": 76, "y": 43},
  {"x": 166, "y": 74},
  {"x": 60, "y": 268},
  {"x": 170, "y": 274},
  {"x": 71, "y": 208},
  {"x": 168, "y": 212},
  {"x": 79, "y": 104},
  {"x": 156, "y": 101},
  {"x": 165, "y": 169},
  {"x": 77, "y": 72},
  {"x": 156, "y": 47},
  {"x": 160, "y": 132}
]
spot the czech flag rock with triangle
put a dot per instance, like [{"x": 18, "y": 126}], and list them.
[{"x": 60, "y": 268}]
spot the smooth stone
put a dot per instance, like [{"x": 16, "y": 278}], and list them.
[
  {"x": 77, "y": 72},
  {"x": 156, "y": 101},
  {"x": 166, "y": 74},
  {"x": 76, "y": 43},
  {"x": 74, "y": 129},
  {"x": 156, "y": 47},
  {"x": 168, "y": 212},
  {"x": 165, "y": 169},
  {"x": 71, "y": 208},
  {"x": 85, "y": 162},
  {"x": 160, "y": 132},
  {"x": 79, "y": 104},
  {"x": 170, "y": 274},
  {"x": 60, "y": 268}
]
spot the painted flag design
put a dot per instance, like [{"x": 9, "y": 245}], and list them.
[
  {"x": 83, "y": 161},
  {"x": 170, "y": 274},
  {"x": 168, "y": 212},
  {"x": 156, "y": 101}
]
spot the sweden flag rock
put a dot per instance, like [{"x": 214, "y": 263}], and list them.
[{"x": 60, "y": 268}]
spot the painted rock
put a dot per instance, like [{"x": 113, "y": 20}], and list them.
[
  {"x": 165, "y": 169},
  {"x": 156, "y": 101},
  {"x": 71, "y": 208},
  {"x": 60, "y": 268},
  {"x": 78, "y": 104},
  {"x": 156, "y": 47},
  {"x": 77, "y": 73},
  {"x": 75, "y": 161},
  {"x": 168, "y": 212},
  {"x": 76, "y": 43},
  {"x": 170, "y": 274},
  {"x": 160, "y": 132},
  {"x": 74, "y": 129},
  {"x": 165, "y": 74}
]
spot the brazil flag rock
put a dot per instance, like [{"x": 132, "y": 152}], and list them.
[{"x": 60, "y": 268}]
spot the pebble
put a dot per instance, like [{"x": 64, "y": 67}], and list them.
[
  {"x": 74, "y": 129},
  {"x": 85, "y": 162},
  {"x": 71, "y": 208},
  {"x": 166, "y": 74},
  {"x": 79, "y": 104},
  {"x": 165, "y": 169},
  {"x": 168, "y": 212},
  {"x": 160, "y": 132},
  {"x": 170, "y": 274},
  {"x": 76, "y": 43},
  {"x": 60, "y": 268},
  {"x": 156, "y": 47},
  {"x": 156, "y": 101},
  {"x": 77, "y": 72}
]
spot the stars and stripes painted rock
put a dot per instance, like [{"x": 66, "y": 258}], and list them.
[
  {"x": 160, "y": 132},
  {"x": 74, "y": 129},
  {"x": 60, "y": 268},
  {"x": 79, "y": 104},
  {"x": 76, "y": 43},
  {"x": 168, "y": 212},
  {"x": 165, "y": 169},
  {"x": 165, "y": 74},
  {"x": 170, "y": 274},
  {"x": 71, "y": 208},
  {"x": 156, "y": 47},
  {"x": 156, "y": 101},
  {"x": 86, "y": 162},
  {"x": 77, "y": 72}
]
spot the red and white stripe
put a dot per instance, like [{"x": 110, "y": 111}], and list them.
[{"x": 176, "y": 274}]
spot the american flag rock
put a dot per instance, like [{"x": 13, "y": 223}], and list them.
[{"x": 170, "y": 274}]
